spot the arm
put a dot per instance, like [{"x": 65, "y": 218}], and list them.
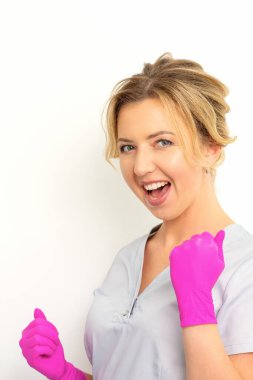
[
  {"x": 205, "y": 356},
  {"x": 195, "y": 267},
  {"x": 89, "y": 377}
]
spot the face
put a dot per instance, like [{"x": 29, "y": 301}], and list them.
[{"x": 149, "y": 153}]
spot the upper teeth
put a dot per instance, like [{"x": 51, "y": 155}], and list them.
[{"x": 155, "y": 185}]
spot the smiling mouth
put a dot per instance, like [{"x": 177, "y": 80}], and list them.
[
  {"x": 157, "y": 197},
  {"x": 156, "y": 191}
]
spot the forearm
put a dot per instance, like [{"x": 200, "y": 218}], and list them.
[{"x": 205, "y": 356}]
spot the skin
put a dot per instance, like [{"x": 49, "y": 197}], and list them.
[{"x": 192, "y": 206}]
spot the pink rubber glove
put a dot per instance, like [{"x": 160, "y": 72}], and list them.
[
  {"x": 44, "y": 352},
  {"x": 195, "y": 266}
]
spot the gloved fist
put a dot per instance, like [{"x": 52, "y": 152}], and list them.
[
  {"x": 42, "y": 348},
  {"x": 195, "y": 266}
]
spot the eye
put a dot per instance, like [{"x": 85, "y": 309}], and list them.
[
  {"x": 167, "y": 142},
  {"x": 125, "y": 148}
]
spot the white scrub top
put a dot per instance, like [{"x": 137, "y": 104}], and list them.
[{"x": 131, "y": 337}]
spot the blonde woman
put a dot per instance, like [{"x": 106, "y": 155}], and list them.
[{"x": 177, "y": 303}]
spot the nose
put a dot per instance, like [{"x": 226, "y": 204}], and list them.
[{"x": 143, "y": 163}]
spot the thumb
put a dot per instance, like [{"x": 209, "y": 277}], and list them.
[
  {"x": 39, "y": 314},
  {"x": 219, "y": 238}
]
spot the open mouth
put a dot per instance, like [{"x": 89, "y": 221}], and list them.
[
  {"x": 157, "y": 191},
  {"x": 157, "y": 197}
]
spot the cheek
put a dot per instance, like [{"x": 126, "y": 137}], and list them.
[
  {"x": 125, "y": 171},
  {"x": 176, "y": 166},
  {"x": 190, "y": 181},
  {"x": 184, "y": 175}
]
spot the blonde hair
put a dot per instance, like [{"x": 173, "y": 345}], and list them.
[{"x": 184, "y": 87}]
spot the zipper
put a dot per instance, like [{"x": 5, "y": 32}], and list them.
[{"x": 131, "y": 312}]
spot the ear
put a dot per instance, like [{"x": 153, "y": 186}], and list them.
[{"x": 212, "y": 152}]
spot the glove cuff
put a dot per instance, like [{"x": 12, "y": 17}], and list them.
[
  {"x": 197, "y": 309},
  {"x": 72, "y": 373}
]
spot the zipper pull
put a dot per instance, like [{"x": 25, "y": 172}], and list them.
[{"x": 133, "y": 306}]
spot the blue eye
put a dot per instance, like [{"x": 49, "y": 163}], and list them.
[
  {"x": 128, "y": 148},
  {"x": 168, "y": 142}
]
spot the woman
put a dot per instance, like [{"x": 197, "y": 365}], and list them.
[{"x": 173, "y": 301}]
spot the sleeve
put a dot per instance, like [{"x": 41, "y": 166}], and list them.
[{"x": 235, "y": 317}]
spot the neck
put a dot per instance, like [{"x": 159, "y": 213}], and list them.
[{"x": 204, "y": 214}]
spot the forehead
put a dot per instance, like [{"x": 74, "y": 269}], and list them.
[{"x": 147, "y": 116}]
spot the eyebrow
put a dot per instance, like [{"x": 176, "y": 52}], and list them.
[{"x": 150, "y": 136}]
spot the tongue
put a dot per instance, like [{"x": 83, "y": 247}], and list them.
[{"x": 157, "y": 193}]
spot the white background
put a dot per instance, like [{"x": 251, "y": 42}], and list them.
[{"x": 64, "y": 212}]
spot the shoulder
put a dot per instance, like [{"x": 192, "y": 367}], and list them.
[
  {"x": 238, "y": 255},
  {"x": 237, "y": 247},
  {"x": 235, "y": 295},
  {"x": 238, "y": 258}
]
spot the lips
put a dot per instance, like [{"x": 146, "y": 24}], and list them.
[{"x": 157, "y": 197}]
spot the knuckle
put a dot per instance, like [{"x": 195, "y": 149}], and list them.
[
  {"x": 36, "y": 349},
  {"x": 23, "y": 331},
  {"x": 40, "y": 329},
  {"x": 37, "y": 338}
]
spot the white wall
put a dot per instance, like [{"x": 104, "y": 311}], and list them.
[{"x": 63, "y": 209}]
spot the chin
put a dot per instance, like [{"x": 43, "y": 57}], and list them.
[
  {"x": 159, "y": 214},
  {"x": 164, "y": 214}
]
